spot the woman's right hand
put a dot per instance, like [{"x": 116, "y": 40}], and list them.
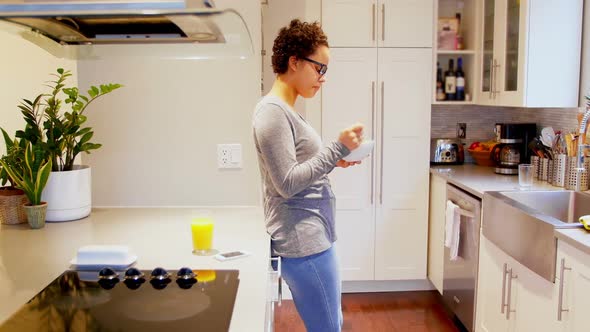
[{"x": 352, "y": 137}]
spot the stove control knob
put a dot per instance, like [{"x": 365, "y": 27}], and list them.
[
  {"x": 133, "y": 274},
  {"x": 160, "y": 274},
  {"x": 185, "y": 273},
  {"x": 107, "y": 274}
]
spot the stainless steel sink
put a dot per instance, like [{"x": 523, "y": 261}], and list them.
[
  {"x": 522, "y": 223},
  {"x": 565, "y": 206}
]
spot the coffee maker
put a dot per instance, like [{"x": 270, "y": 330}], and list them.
[{"x": 513, "y": 139}]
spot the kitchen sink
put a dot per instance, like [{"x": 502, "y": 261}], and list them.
[
  {"x": 522, "y": 224},
  {"x": 565, "y": 206}
]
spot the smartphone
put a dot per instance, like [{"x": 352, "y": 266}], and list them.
[{"x": 226, "y": 256}]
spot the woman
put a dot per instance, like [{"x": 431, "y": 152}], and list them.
[{"x": 298, "y": 199}]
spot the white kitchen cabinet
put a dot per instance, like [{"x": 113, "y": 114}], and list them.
[
  {"x": 384, "y": 23},
  {"x": 436, "y": 230},
  {"x": 530, "y": 53},
  {"x": 403, "y": 152},
  {"x": 350, "y": 96},
  {"x": 576, "y": 288},
  {"x": 511, "y": 297},
  {"x": 382, "y": 203}
]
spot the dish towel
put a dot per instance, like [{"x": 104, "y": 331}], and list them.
[{"x": 452, "y": 228}]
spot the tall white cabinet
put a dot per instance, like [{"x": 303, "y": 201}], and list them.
[{"x": 382, "y": 79}]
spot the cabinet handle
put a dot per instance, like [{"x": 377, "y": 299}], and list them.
[
  {"x": 504, "y": 273},
  {"x": 373, "y": 24},
  {"x": 381, "y": 150},
  {"x": 372, "y": 137},
  {"x": 383, "y": 22},
  {"x": 491, "y": 78},
  {"x": 496, "y": 66},
  {"x": 508, "y": 308},
  {"x": 561, "y": 282},
  {"x": 280, "y": 277}
]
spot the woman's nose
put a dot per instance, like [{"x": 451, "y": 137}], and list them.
[{"x": 323, "y": 79}]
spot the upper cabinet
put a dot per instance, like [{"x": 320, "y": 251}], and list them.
[
  {"x": 383, "y": 23},
  {"x": 530, "y": 53}
]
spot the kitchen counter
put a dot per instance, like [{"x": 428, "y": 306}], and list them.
[
  {"x": 478, "y": 179},
  {"x": 31, "y": 259}
]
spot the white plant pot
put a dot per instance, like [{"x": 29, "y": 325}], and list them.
[{"x": 68, "y": 194}]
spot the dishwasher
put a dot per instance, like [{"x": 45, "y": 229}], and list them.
[{"x": 460, "y": 274}]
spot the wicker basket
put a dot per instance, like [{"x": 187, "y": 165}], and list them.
[
  {"x": 12, "y": 211},
  {"x": 482, "y": 158}
]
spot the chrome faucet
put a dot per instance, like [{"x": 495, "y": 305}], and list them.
[{"x": 581, "y": 146}]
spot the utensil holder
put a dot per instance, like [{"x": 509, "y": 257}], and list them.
[
  {"x": 543, "y": 169},
  {"x": 550, "y": 171},
  {"x": 574, "y": 177},
  {"x": 535, "y": 163},
  {"x": 559, "y": 167}
]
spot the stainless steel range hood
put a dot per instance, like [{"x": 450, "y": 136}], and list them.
[{"x": 123, "y": 22}]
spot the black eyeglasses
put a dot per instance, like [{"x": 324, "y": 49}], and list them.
[{"x": 323, "y": 68}]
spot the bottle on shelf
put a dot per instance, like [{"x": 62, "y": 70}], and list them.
[
  {"x": 460, "y": 81},
  {"x": 440, "y": 93},
  {"x": 450, "y": 82},
  {"x": 459, "y": 36}
]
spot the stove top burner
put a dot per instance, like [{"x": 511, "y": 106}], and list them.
[{"x": 99, "y": 301}]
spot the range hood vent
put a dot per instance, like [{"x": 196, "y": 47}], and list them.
[{"x": 116, "y": 22}]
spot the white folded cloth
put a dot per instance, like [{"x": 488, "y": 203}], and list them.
[
  {"x": 101, "y": 254},
  {"x": 452, "y": 229}
]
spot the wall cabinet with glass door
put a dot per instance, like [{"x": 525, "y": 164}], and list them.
[
  {"x": 455, "y": 39},
  {"x": 530, "y": 52},
  {"x": 383, "y": 23}
]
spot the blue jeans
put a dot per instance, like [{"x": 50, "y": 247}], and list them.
[{"x": 315, "y": 284}]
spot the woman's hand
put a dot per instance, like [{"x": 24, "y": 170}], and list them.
[
  {"x": 343, "y": 163},
  {"x": 352, "y": 137}
]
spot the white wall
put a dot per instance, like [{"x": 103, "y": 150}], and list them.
[
  {"x": 275, "y": 15},
  {"x": 26, "y": 67},
  {"x": 160, "y": 132}
]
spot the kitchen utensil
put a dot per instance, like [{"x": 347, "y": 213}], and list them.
[{"x": 547, "y": 136}]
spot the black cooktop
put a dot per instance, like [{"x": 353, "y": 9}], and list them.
[{"x": 132, "y": 300}]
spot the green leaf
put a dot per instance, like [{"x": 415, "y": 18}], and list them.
[
  {"x": 42, "y": 178},
  {"x": 86, "y": 137},
  {"x": 60, "y": 71},
  {"x": 93, "y": 92},
  {"x": 83, "y": 131}
]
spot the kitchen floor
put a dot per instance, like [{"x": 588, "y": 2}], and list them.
[{"x": 392, "y": 312}]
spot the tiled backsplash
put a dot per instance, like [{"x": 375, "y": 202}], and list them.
[{"x": 480, "y": 120}]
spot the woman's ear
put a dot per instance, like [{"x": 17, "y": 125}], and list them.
[{"x": 293, "y": 63}]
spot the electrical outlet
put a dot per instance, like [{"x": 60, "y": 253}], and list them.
[
  {"x": 229, "y": 155},
  {"x": 461, "y": 130}
]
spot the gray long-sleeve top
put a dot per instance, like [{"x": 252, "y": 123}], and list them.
[{"x": 298, "y": 200}]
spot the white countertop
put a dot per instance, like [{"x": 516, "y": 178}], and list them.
[
  {"x": 31, "y": 259},
  {"x": 479, "y": 179}
]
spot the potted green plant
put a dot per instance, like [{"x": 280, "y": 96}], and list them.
[
  {"x": 31, "y": 177},
  {"x": 63, "y": 136},
  {"x": 11, "y": 198}
]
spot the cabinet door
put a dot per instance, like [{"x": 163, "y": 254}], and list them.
[
  {"x": 436, "y": 230},
  {"x": 576, "y": 279},
  {"x": 403, "y": 153},
  {"x": 489, "y": 41},
  {"x": 405, "y": 23},
  {"x": 350, "y": 23},
  {"x": 510, "y": 54},
  {"x": 349, "y": 96},
  {"x": 536, "y": 306},
  {"x": 491, "y": 289}
]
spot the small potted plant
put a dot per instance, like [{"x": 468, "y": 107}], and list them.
[
  {"x": 31, "y": 177},
  {"x": 11, "y": 198},
  {"x": 63, "y": 137}
]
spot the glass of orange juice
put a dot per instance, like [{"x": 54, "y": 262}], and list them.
[{"x": 202, "y": 233}]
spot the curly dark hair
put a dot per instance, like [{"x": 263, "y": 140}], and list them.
[{"x": 299, "y": 39}]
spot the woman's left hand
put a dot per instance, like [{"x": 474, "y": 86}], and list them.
[{"x": 343, "y": 163}]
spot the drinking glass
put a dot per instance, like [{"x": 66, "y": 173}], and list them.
[
  {"x": 202, "y": 233},
  {"x": 525, "y": 175}
]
